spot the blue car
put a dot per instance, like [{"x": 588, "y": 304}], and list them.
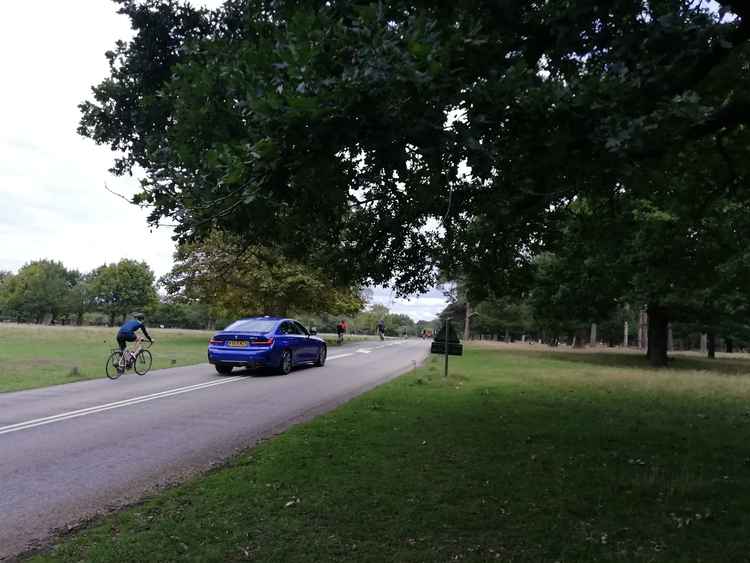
[{"x": 265, "y": 342}]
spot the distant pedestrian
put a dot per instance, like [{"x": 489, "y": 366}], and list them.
[{"x": 340, "y": 329}]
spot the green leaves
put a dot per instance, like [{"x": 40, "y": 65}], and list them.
[
  {"x": 236, "y": 279},
  {"x": 120, "y": 288},
  {"x": 272, "y": 116}
]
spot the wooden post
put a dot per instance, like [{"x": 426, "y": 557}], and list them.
[
  {"x": 670, "y": 338},
  {"x": 704, "y": 342},
  {"x": 625, "y": 335},
  {"x": 466, "y": 322},
  {"x": 592, "y": 341},
  {"x": 445, "y": 373},
  {"x": 643, "y": 331}
]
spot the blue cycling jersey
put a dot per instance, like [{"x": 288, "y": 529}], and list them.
[{"x": 131, "y": 326}]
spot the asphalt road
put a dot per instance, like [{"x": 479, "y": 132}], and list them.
[{"x": 70, "y": 452}]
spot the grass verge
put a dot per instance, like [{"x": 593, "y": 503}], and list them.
[
  {"x": 37, "y": 356},
  {"x": 518, "y": 456}
]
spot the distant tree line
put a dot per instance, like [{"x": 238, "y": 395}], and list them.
[
  {"x": 210, "y": 285},
  {"x": 548, "y": 313},
  {"x": 45, "y": 291},
  {"x": 365, "y": 322}
]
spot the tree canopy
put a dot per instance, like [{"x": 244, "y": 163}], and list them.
[
  {"x": 358, "y": 121},
  {"x": 39, "y": 291},
  {"x": 393, "y": 142},
  {"x": 120, "y": 288},
  {"x": 235, "y": 280}
]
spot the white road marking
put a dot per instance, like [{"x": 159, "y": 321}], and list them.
[
  {"x": 110, "y": 406},
  {"x": 340, "y": 356},
  {"x": 364, "y": 351}
]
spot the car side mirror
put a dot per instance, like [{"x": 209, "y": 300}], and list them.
[{"x": 313, "y": 332}]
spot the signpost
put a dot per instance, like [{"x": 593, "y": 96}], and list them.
[{"x": 446, "y": 342}]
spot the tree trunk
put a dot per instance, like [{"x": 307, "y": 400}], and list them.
[
  {"x": 658, "y": 322},
  {"x": 729, "y": 345},
  {"x": 112, "y": 319},
  {"x": 711, "y": 345},
  {"x": 579, "y": 338}
]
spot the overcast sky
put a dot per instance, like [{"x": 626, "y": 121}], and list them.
[{"x": 54, "y": 204}]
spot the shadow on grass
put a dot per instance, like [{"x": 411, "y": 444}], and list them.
[{"x": 725, "y": 366}]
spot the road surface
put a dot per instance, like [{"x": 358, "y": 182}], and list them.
[{"x": 70, "y": 452}]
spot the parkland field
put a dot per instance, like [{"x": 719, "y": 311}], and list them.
[
  {"x": 522, "y": 454},
  {"x": 37, "y": 356}
]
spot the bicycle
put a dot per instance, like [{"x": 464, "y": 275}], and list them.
[{"x": 139, "y": 359}]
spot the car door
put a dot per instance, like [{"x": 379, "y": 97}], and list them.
[
  {"x": 283, "y": 338},
  {"x": 311, "y": 345},
  {"x": 295, "y": 341}
]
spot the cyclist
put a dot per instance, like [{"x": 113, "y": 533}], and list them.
[
  {"x": 381, "y": 329},
  {"x": 340, "y": 329},
  {"x": 127, "y": 331}
]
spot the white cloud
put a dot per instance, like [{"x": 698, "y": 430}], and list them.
[
  {"x": 424, "y": 307},
  {"x": 54, "y": 204}
]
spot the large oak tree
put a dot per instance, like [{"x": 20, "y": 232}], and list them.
[{"x": 388, "y": 141}]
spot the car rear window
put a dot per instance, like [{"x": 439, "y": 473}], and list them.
[{"x": 252, "y": 325}]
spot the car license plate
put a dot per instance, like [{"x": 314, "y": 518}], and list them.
[{"x": 237, "y": 343}]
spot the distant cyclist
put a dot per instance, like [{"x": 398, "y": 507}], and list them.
[
  {"x": 127, "y": 330},
  {"x": 381, "y": 329},
  {"x": 340, "y": 329}
]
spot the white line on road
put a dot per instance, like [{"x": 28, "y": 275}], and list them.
[
  {"x": 340, "y": 356},
  {"x": 109, "y": 406}
]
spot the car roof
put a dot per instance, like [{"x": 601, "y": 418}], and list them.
[{"x": 266, "y": 318}]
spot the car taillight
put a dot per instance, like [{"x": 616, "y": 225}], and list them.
[
  {"x": 263, "y": 342},
  {"x": 215, "y": 342}
]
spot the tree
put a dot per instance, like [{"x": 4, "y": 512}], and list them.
[
  {"x": 37, "y": 292},
  {"x": 357, "y": 121},
  {"x": 235, "y": 280},
  {"x": 77, "y": 300},
  {"x": 119, "y": 288},
  {"x": 288, "y": 117},
  {"x": 176, "y": 314},
  {"x": 5, "y": 278},
  {"x": 680, "y": 258}
]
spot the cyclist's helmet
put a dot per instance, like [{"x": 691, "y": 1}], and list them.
[{"x": 139, "y": 316}]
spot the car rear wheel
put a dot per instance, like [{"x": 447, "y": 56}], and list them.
[
  {"x": 223, "y": 369},
  {"x": 322, "y": 353},
  {"x": 285, "y": 365}
]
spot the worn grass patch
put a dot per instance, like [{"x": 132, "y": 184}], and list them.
[{"x": 516, "y": 457}]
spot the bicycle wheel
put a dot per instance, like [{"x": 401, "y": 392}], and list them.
[
  {"x": 113, "y": 365},
  {"x": 142, "y": 362}
]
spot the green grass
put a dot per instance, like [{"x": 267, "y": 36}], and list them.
[
  {"x": 37, "y": 356},
  {"x": 518, "y": 456}
]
